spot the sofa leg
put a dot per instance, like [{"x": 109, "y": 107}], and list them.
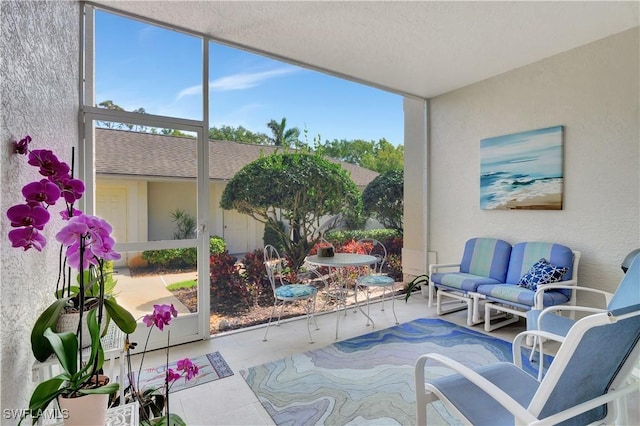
[
  {"x": 476, "y": 318},
  {"x": 471, "y": 314},
  {"x": 488, "y": 326},
  {"x": 456, "y": 305}
]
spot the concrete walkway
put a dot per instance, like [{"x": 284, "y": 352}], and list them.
[{"x": 139, "y": 294}]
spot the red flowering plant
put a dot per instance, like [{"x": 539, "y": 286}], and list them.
[
  {"x": 154, "y": 401},
  {"x": 86, "y": 244}
]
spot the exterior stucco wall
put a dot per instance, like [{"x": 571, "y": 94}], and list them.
[
  {"x": 164, "y": 199},
  {"x": 594, "y": 92},
  {"x": 39, "y": 49}
]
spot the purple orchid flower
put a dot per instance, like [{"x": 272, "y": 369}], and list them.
[
  {"x": 27, "y": 237},
  {"x": 95, "y": 233},
  {"x": 74, "y": 212},
  {"x": 172, "y": 376},
  {"x": 43, "y": 191},
  {"x": 103, "y": 248},
  {"x": 22, "y": 147},
  {"x": 190, "y": 369},
  {"x": 49, "y": 164},
  {"x": 73, "y": 231},
  {"x": 161, "y": 316},
  {"x": 29, "y": 214},
  {"x": 72, "y": 189}
]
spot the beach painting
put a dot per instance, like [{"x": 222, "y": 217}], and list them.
[{"x": 522, "y": 170}]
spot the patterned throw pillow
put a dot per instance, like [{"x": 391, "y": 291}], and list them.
[{"x": 542, "y": 272}]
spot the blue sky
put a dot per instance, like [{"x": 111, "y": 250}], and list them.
[{"x": 142, "y": 66}]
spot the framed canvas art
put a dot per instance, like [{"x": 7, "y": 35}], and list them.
[{"x": 522, "y": 170}]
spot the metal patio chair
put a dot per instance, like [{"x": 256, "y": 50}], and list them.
[
  {"x": 375, "y": 277},
  {"x": 285, "y": 292}
]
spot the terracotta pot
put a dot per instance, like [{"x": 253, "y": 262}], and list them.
[{"x": 86, "y": 410}]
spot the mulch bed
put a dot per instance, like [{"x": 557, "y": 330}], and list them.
[{"x": 230, "y": 315}]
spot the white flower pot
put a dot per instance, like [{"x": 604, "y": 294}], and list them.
[
  {"x": 424, "y": 290},
  {"x": 87, "y": 410},
  {"x": 69, "y": 322}
]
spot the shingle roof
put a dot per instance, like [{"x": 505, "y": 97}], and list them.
[{"x": 120, "y": 152}]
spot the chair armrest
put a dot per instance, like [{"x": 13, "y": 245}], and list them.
[
  {"x": 434, "y": 266},
  {"x": 521, "y": 414},
  {"x": 554, "y": 308},
  {"x": 563, "y": 285},
  {"x": 518, "y": 343}
]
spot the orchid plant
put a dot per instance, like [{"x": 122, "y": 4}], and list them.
[
  {"x": 86, "y": 244},
  {"x": 154, "y": 402}
]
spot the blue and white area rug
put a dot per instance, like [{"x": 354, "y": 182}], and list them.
[{"x": 369, "y": 379}]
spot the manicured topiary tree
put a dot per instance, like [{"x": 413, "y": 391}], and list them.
[
  {"x": 296, "y": 188},
  {"x": 383, "y": 198}
]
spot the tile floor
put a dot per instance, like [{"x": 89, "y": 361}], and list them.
[{"x": 230, "y": 401}]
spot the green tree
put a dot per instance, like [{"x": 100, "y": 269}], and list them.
[
  {"x": 237, "y": 134},
  {"x": 385, "y": 157},
  {"x": 296, "y": 188},
  {"x": 173, "y": 132},
  {"x": 281, "y": 136},
  {"x": 108, "y": 104},
  {"x": 377, "y": 156},
  {"x": 383, "y": 198},
  {"x": 351, "y": 151}
]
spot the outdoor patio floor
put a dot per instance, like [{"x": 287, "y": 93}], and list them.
[{"x": 230, "y": 401}]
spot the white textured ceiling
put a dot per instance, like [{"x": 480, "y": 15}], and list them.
[{"x": 420, "y": 48}]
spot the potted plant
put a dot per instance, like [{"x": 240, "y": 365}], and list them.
[
  {"x": 77, "y": 379},
  {"x": 421, "y": 281},
  {"x": 153, "y": 402},
  {"x": 86, "y": 246}
]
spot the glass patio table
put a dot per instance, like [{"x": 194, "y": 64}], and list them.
[{"x": 340, "y": 288}]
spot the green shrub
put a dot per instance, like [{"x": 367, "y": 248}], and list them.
[
  {"x": 382, "y": 235},
  {"x": 217, "y": 245},
  {"x": 383, "y": 198},
  {"x": 353, "y": 214},
  {"x": 170, "y": 258},
  {"x": 181, "y": 257},
  {"x": 273, "y": 237}
]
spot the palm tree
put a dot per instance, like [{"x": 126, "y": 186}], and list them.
[{"x": 281, "y": 135}]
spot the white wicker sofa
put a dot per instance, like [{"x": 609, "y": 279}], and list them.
[{"x": 497, "y": 281}]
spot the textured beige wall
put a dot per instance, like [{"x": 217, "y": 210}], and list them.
[
  {"x": 39, "y": 75},
  {"x": 593, "y": 91},
  {"x": 415, "y": 184}
]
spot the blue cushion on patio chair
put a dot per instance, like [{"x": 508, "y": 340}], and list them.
[
  {"x": 376, "y": 280},
  {"x": 461, "y": 280},
  {"x": 296, "y": 291},
  {"x": 520, "y": 296}
]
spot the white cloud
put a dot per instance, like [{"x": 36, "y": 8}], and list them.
[
  {"x": 247, "y": 80},
  {"x": 189, "y": 91},
  {"x": 239, "y": 81}
]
